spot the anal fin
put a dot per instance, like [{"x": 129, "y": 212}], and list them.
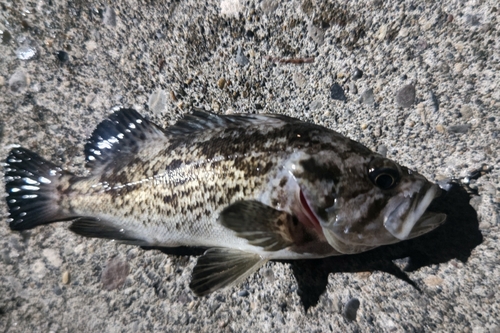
[
  {"x": 96, "y": 228},
  {"x": 223, "y": 267}
]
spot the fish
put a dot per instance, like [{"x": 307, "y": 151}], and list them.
[{"x": 245, "y": 188}]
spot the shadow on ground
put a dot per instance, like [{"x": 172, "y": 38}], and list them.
[{"x": 455, "y": 239}]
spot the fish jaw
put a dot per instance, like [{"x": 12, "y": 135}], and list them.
[{"x": 407, "y": 216}]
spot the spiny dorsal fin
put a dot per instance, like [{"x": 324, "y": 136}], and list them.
[
  {"x": 261, "y": 225},
  {"x": 121, "y": 133},
  {"x": 221, "y": 268}
]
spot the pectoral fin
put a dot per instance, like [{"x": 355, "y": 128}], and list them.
[
  {"x": 262, "y": 225},
  {"x": 222, "y": 267}
]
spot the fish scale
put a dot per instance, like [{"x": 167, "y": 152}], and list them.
[{"x": 249, "y": 188}]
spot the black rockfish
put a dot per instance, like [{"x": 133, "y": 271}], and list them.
[{"x": 250, "y": 188}]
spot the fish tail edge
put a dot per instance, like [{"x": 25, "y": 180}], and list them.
[{"x": 31, "y": 184}]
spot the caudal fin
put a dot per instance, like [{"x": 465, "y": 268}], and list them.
[{"x": 31, "y": 185}]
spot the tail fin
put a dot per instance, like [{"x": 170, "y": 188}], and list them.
[{"x": 31, "y": 185}]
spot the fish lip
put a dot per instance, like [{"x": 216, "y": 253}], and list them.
[{"x": 410, "y": 219}]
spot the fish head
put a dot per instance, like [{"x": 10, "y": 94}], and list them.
[{"x": 368, "y": 202}]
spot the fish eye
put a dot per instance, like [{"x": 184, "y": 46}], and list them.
[
  {"x": 384, "y": 178},
  {"x": 384, "y": 174}
]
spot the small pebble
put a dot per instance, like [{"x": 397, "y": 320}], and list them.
[
  {"x": 382, "y": 32},
  {"x": 440, "y": 128},
  {"x": 168, "y": 269},
  {"x": 421, "y": 45},
  {"x": 241, "y": 59},
  {"x": 472, "y": 19},
  {"x": 460, "y": 129},
  {"x": 52, "y": 257},
  {"x": 157, "y": 101},
  {"x": 221, "y": 83},
  {"x": 269, "y": 6},
  {"x": 184, "y": 298},
  {"x": 382, "y": 150},
  {"x": 364, "y": 126},
  {"x": 364, "y": 275},
  {"x": 299, "y": 79},
  {"x": 160, "y": 35},
  {"x": 25, "y": 52},
  {"x": 39, "y": 269},
  {"x": 268, "y": 274},
  {"x": 109, "y": 17},
  {"x": 65, "y": 277},
  {"x": 114, "y": 274},
  {"x": 350, "y": 309},
  {"x": 316, "y": 104},
  {"x": 243, "y": 293},
  {"x": 62, "y": 56},
  {"x": 336, "y": 92},
  {"x": 18, "y": 82},
  {"x": 367, "y": 97},
  {"x": 230, "y": 7},
  {"x": 57, "y": 290},
  {"x": 357, "y": 73},
  {"x": 2, "y": 81},
  {"x": 215, "y": 105},
  {"x": 466, "y": 112},
  {"x": 405, "y": 97},
  {"x": 353, "y": 89},
  {"x": 172, "y": 96},
  {"x": 5, "y": 253},
  {"x": 421, "y": 112},
  {"x": 475, "y": 202},
  {"x": 433, "y": 280},
  {"x": 316, "y": 34},
  {"x": 434, "y": 101},
  {"x": 6, "y": 37}
]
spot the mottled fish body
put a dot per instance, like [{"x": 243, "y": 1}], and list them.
[{"x": 250, "y": 188}]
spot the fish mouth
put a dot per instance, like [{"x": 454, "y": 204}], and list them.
[{"x": 409, "y": 218}]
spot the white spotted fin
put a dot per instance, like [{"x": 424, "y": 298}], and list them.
[{"x": 119, "y": 136}]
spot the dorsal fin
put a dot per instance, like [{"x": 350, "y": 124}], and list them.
[
  {"x": 203, "y": 120},
  {"x": 121, "y": 133}
]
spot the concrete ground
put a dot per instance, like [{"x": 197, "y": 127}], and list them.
[{"x": 417, "y": 80}]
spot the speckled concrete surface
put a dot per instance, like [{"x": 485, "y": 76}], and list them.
[{"x": 229, "y": 56}]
